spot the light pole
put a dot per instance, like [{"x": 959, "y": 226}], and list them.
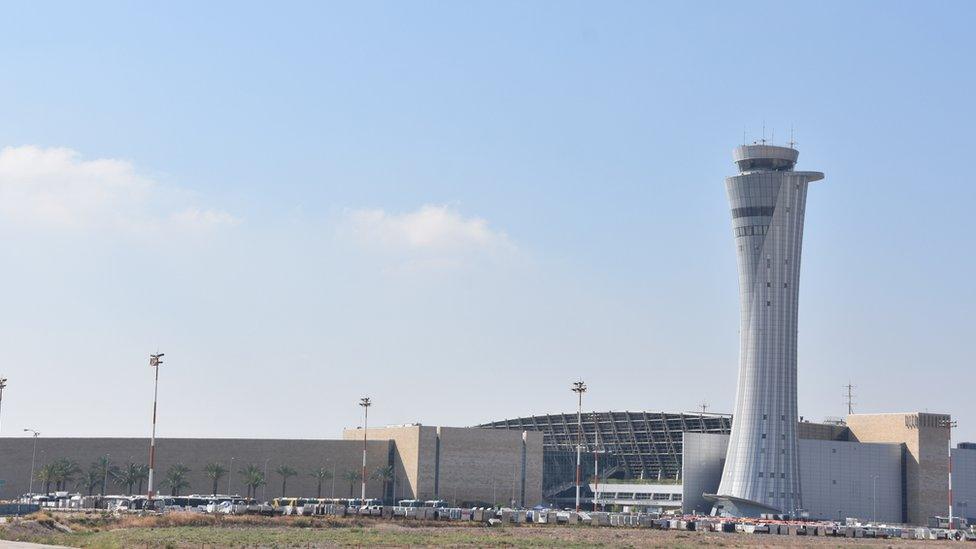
[
  {"x": 949, "y": 423},
  {"x": 264, "y": 488},
  {"x": 30, "y": 484},
  {"x": 333, "y": 480},
  {"x": 154, "y": 362},
  {"x": 365, "y": 403},
  {"x": 596, "y": 460},
  {"x": 230, "y": 475},
  {"x": 3, "y": 384},
  {"x": 579, "y": 388},
  {"x": 105, "y": 473},
  {"x": 875, "y": 498}
]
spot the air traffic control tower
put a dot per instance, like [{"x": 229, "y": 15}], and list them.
[{"x": 768, "y": 197}]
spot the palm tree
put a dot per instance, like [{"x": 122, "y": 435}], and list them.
[
  {"x": 46, "y": 474},
  {"x": 320, "y": 475},
  {"x": 352, "y": 476},
  {"x": 90, "y": 480},
  {"x": 104, "y": 467},
  {"x": 64, "y": 471},
  {"x": 141, "y": 475},
  {"x": 125, "y": 477},
  {"x": 176, "y": 478},
  {"x": 384, "y": 475},
  {"x": 215, "y": 471},
  {"x": 252, "y": 477},
  {"x": 285, "y": 472}
]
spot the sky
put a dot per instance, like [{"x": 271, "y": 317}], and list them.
[{"x": 460, "y": 208}]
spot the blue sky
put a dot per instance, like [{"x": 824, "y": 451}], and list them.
[{"x": 460, "y": 208}]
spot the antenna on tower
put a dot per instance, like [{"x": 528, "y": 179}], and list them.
[
  {"x": 764, "y": 133},
  {"x": 850, "y": 398},
  {"x": 772, "y": 136},
  {"x": 792, "y": 141}
]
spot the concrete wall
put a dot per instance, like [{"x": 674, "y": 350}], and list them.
[
  {"x": 301, "y": 455},
  {"x": 964, "y": 483},
  {"x": 836, "y": 477},
  {"x": 460, "y": 464},
  {"x": 822, "y": 431},
  {"x": 849, "y": 479},
  {"x": 486, "y": 465},
  {"x": 406, "y": 443},
  {"x": 927, "y": 457}
]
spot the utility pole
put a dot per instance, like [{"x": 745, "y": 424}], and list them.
[
  {"x": 949, "y": 423},
  {"x": 30, "y": 489},
  {"x": 579, "y": 388},
  {"x": 874, "y": 499},
  {"x": 365, "y": 403},
  {"x": 105, "y": 473},
  {"x": 3, "y": 384},
  {"x": 850, "y": 398},
  {"x": 154, "y": 362},
  {"x": 596, "y": 460},
  {"x": 514, "y": 482}
]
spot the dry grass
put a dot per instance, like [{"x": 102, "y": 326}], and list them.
[{"x": 194, "y": 530}]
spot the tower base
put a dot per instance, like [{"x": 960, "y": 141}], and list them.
[{"x": 731, "y": 506}]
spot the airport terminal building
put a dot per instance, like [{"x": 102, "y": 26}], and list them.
[{"x": 886, "y": 467}]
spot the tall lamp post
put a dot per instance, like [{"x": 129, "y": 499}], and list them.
[
  {"x": 596, "y": 460},
  {"x": 154, "y": 362},
  {"x": 949, "y": 423},
  {"x": 365, "y": 403},
  {"x": 579, "y": 388},
  {"x": 30, "y": 484},
  {"x": 105, "y": 473},
  {"x": 874, "y": 498},
  {"x": 3, "y": 384},
  {"x": 230, "y": 474}
]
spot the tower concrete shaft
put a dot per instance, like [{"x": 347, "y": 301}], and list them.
[{"x": 768, "y": 199}]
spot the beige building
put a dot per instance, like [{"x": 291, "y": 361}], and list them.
[
  {"x": 463, "y": 465},
  {"x": 925, "y": 439}
]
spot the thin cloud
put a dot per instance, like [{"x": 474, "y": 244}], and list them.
[
  {"x": 429, "y": 230},
  {"x": 55, "y": 188}
]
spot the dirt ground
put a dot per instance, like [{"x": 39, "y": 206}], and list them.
[{"x": 207, "y": 531}]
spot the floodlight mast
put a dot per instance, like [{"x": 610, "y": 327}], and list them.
[
  {"x": 365, "y": 403},
  {"x": 30, "y": 483},
  {"x": 949, "y": 423},
  {"x": 154, "y": 362},
  {"x": 579, "y": 388},
  {"x": 3, "y": 385}
]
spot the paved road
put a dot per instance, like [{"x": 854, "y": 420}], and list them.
[{"x": 23, "y": 545}]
